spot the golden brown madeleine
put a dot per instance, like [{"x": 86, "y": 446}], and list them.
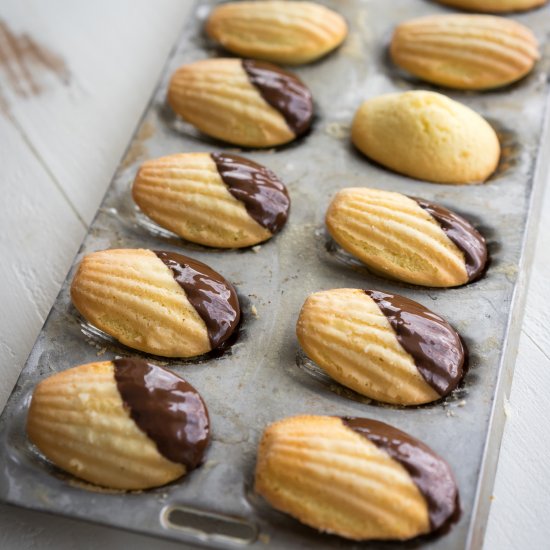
[
  {"x": 158, "y": 302},
  {"x": 123, "y": 424},
  {"x": 494, "y": 6},
  {"x": 469, "y": 52},
  {"x": 290, "y": 33},
  {"x": 381, "y": 345},
  {"x": 354, "y": 477},
  {"x": 407, "y": 238},
  {"x": 426, "y": 135},
  {"x": 213, "y": 199},
  {"x": 245, "y": 102}
]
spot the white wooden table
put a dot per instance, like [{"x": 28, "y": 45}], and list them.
[{"x": 66, "y": 117}]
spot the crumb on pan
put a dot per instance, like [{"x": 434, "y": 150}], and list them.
[{"x": 338, "y": 130}]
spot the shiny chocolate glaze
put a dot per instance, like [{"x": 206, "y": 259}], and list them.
[
  {"x": 434, "y": 345},
  {"x": 429, "y": 472},
  {"x": 463, "y": 234},
  {"x": 209, "y": 293},
  {"x": 264, "y": 196},
  {"x": 284, "y": 91},
  {"x": 168, "y": 409}
]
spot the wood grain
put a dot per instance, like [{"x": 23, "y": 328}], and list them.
[{"x": 39, "y": 237}]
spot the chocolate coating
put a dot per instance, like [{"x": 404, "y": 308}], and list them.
[
  {"x": 209, "y": 293},
  {"x": 435, "y": 346},
  {"x": 264, "y": 196},
  {"x": 168, "y": 409},
  {"x": 284, "y": 91},
  {"x": 429, "y": 472},
  {"x": 463, "y": 234}
]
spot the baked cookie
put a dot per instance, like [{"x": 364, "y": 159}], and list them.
[
  {"x": 214, "y": 199},
  {"x": 354, "y": 477},
  {"x": 494, "y": 6},
  {"x": 427, "y": 136},
  {"x": 469, "y": 52},
  {"x": 123, "y": 424},
  {"x": 245, "y": 102},
  {"x": 406, "y": 238},
  {"x": 158, "y": 302},
  {"x": 290, "y": 33},
  {"x": 381, "y": 345}
]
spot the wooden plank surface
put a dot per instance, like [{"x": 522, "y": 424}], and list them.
[{"x": 74, "y": 79}]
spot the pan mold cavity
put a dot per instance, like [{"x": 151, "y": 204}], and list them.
[{"x": 208, "y": 526}]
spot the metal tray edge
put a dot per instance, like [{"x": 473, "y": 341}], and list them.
[{"x": 491, "y": 452}]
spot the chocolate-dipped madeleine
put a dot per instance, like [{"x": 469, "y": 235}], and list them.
[
  {"x": 158, "y": 302},
  {"x": 216, "y": 199},
  {"x": 381, "y": 345},
  {"x": 123, "y": 424},
  {"x": 283, "y": 32},
  {"x": 355, "y": 477},
  {"x": 467, "y": 239},
  {"x": 406, "y": 238},
  {"x": 245, "y": 102}
]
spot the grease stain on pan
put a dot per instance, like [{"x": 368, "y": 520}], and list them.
[
  {"x": 138, "y": 149},
  {"x": 510, "y": 150},
  {"x": 24, "y": 64}
]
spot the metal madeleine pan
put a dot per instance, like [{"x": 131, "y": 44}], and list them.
[{"x": 264, "y": 376}]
